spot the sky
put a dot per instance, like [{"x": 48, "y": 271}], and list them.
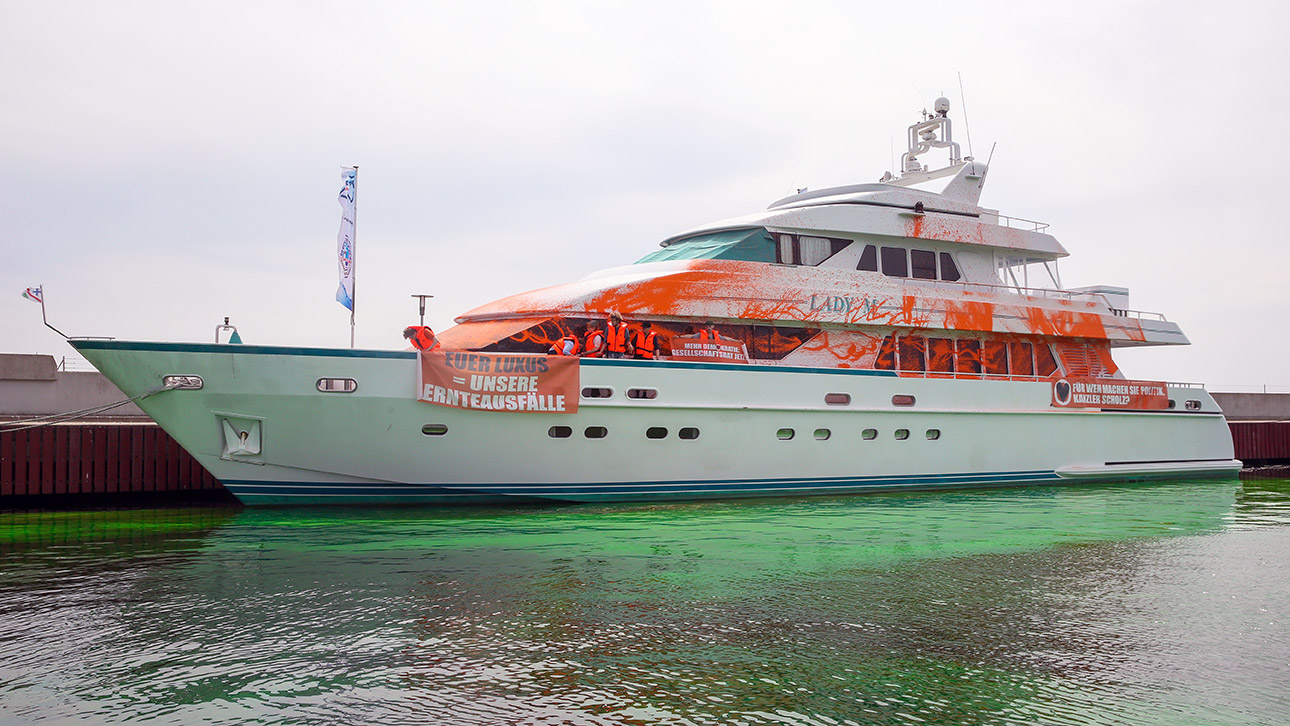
[{"x": 167, "y": 164}]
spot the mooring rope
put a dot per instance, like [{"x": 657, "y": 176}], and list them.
[{"x": 36, "y": 422}]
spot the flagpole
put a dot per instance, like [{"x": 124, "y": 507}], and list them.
[{"x": 354, "y": 242}]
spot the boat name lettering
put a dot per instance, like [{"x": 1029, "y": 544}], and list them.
[
  {"x": 843, "y": 304},
  {"x": 482, "y": 363}
]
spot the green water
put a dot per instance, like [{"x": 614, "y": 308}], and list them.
[{"x": 1114, "y": 604}]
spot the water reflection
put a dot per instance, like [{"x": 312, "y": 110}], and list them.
[{"x": 1143, "y": 603}]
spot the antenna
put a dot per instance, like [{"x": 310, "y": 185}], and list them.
[{"x": 967, "y": 127}]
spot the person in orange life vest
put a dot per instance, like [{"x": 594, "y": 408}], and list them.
[
  {"x": 643, "y": 342},
  {"x": 617, "y": 345},
  {"x": 593, "y": 342},
  {"x": 422, "y": 337},
  {"x": 709, "y": 333},
  {"x": 568, "y": 345}
]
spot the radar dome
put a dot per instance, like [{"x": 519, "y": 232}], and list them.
[{"x": 941, "y": 106}]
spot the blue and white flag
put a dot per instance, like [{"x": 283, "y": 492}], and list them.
[
  {"x": 345, "y": 240},
  {"x": 34, "y": 293}
]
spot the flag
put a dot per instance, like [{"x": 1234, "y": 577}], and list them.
[
  {"x": 33, "y": 293},
  {"x": 345, "y": 239}
]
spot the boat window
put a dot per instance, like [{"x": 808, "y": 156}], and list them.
[
  {"x": 822, "y": 434},
  {"x": 689, "y": 433},
  {"x": 1045, "y": 363},
  {"x": 751, "y": 245},
  {"x": 1173, "y": 403},
  {"x": 326, "y": 385},
  {"x": 868, "y": 259},
  {"x": 902, "y": 434},
  {"x": 894, "y": 262},
  {"x": 902, "y": 399},
  {"x": 559, "y": 432},
  {"x": 940, "y": 355},
  {"x": 642, "y": 393},
  {"x": 787, "y": 250},
  {"x": 837, "y": 399},
  {"x": 656, "y": 432},
  {"x": 784, "y": 434},
  {"x": 1022, "y": 360},
  {"x": 911, "y": 349},
  {"x": 886, "y": 358},
  {"x": 869, "y": 434},
  {"x": 922, "y": 264},
  {"x": 949, "y": 271},
  {"x": 591, "y": 392},
  {"x": 596, "y": 432},
  {"x": 967, "y": 356},
  {"x": 772, "y": 342},
  {"x": 814, "y": 250},
  {"x": 434, "y": 429},
  {"x": 1193, "y": 405},
  {"x": 933, "y": 434},
  {"x": 994, "y": 357}
]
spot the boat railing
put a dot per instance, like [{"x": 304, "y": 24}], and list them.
[
  {"x": 1050, "y": 293},
  {"x": 1028, "y": 225}
]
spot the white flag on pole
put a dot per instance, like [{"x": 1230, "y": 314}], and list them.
[{"x": 345, "y": 239}]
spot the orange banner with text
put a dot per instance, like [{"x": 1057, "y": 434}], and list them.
[
  {"x": 691, "y": 348},
  {"x": 1109, "y": 393},
  {"x": 499, "y": 381}
]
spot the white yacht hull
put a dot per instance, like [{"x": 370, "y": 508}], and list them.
[{"x": 368, "y": 446}]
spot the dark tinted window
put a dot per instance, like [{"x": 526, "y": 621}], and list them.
[
  {"x": 923, "y": 264},
  {"x": 967, "y": 356},
  {"x": 994, "y": 357},
  {"x": 1045, "y": 364},
  {"x": 596, "y": 432},
  {"x": 886, "y": 359},
  {"x": 1021, "y": 359},
  {"x": 911, "y": 353},
  {"x": 940, "y": 355},
  {"x": 689, "y": 433},
  {"x": 894, "y": 263},
  {"x": 656, "y": 432},
  {"x": 868, "y": 259},
  {"x": 949, "y": 271}
]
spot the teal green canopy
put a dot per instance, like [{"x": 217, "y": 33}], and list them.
[{"x": 751, "y": 245}]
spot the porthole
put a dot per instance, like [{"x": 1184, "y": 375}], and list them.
[
  {"x": 822, "y": 434},
  {"x": 592, "y": 392},
  {"x": 559, "y": 432},
  {"x": 334, "y": 385},
  {"x": 837, "y": 399},
  {"x": 901, "y": 399},
  {"x": 933, "y": 434},
  {"x": 1173, "y": 403},
  {"x": 869, "y": 434},
  {"x": 689, "y": 433},
  {"x": 1193, "y": 405},
  {"x": 902, "y": 434},
  {"x": 596, "y": 432},
  {"x": 656, "y": 432},
  {"x": 642, "y": 393},
  {"x": 434, "y": 429},
  {"x": 784, "y": 434}
]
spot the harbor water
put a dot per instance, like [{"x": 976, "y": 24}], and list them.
[{"x": 1125, "y": 603}]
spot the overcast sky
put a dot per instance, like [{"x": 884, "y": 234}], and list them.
[{"x": 170, "y": 163}]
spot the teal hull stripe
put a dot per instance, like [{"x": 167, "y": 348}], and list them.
[
  {"x": 267, "y": 350},
  {"x": 637, "y": 488}
]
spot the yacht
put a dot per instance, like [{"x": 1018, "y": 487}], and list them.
[{"x": 893, "y": 335}]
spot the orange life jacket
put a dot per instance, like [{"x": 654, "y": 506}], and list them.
[
  {"x": 559, "y": 345},
  {"x": 705, "y": 336},
  {"x": 616, "y": 342},
  {"x": 589, "y": 344},
  {"x": 423, "y": 338},
  {"x": 644, "y": 344}
]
